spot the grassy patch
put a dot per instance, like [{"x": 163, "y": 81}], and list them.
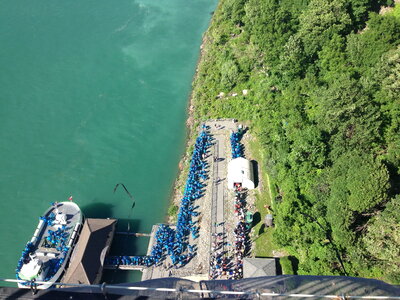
[
  {"x": 172, "y": 213},
  {"x": 396, "y": 11},
  {"x": 264, "y": 243},
  {"x": 173, "y": 210},
  {"x": 288, "y": 265}
]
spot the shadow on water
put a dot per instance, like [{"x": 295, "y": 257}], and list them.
[
  {"x": 118, "y": 276},
  {"x": 122, "y": 244},
  {"x": 126, "y": 245},
  {"x": 98, "y": 210},
  {"x": 255, "y": 171}
]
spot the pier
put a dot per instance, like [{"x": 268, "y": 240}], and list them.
[
  {"x": 136, "y": 234},
  {"x": 216, "y": 207},
  {"x": 150, "y": 246},
  {"x": 215, "y": 219}
]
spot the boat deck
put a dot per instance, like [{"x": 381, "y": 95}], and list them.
[
  {"x": 51, "y": 244},
  {"x": 73, "y": 217}
]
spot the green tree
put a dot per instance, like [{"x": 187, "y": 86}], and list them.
[
  {"x": 367, "y": 182},
  {"x": 332, "y": 59},
  {"x": 387, "y": 82},
  {"x": 382, "y": 34},
  {"x": 382, "y": 240},
  {"x": 320, "y": 21},
  {"x": 383, "y": 237},
  {"x": 229, "y": 74},
  {"x": 292, "y": 61}
]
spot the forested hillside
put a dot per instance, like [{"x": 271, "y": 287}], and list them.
[{"x": 323, "y": 81}]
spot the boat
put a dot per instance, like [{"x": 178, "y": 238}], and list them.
[{"x": 46, "y": 255}]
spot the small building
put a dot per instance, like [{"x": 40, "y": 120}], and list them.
[
  {"x": 256, "y": 267},
  {"x": 86, "y": 264},
  {"x": 240, "y": 172},
  {"x": 269, "y": 220}
]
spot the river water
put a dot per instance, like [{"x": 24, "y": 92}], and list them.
[{"x": 93, "y": 93}]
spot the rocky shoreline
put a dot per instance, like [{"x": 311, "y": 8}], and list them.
[{"x": 191, "y": 134}]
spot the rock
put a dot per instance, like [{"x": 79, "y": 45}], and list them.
[
  {"x": 234, "y": 94},
  {"x": 245, "y": 92}
]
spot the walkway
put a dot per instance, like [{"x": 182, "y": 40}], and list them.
[
  {"x": 211, "y": 208},
  {"x": 221, "y": 155}
]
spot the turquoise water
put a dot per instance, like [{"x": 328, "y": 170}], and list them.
[{"x": 93, "y": 93}]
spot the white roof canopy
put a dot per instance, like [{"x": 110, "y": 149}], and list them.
[
  {"x": 31, "y": 269},
  {"x": 240, "y": 170}
]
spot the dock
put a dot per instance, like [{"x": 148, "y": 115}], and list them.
[
  {"x": 216, "y": 219},
  {"x": 150, "y": 246},
  {"x": 136, "y": 234},
  {"x": 153, "y": 271},
  {"x": 124, "y": 267}
]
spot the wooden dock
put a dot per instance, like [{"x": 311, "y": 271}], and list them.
[
  {"x": 125, "y": 267},
  {"x": 136, "y": 234}
]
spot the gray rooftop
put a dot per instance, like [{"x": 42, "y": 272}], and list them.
[{"x": 255, "y": 267}]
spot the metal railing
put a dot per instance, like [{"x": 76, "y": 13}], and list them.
[
  {"x": 214, "y": 195},
  {"x": 103, "y": 288}
]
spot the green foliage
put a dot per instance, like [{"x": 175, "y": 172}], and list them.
[
  {"x": 323, "y": 80},
  {"x": 363, "y": 179},
  {"x": 383, "y": 237},
  {"x": 286, "y": 265},
  {"x": 396, "y": 11},
  {"x": 382, "y": 34},
  {"x": 387, "y": 74},
  {"x": 292, "y": 61},
  {"x": 382, "y": 240},
  {"x": 320, "y": 21},
  {"x": 359, "y": 11},
  {"x": 173, "y": 210},
  {"x": 229, "y": 74},
  {"x": 369, "y": 185},
  {"x": 332, "y": 59}
]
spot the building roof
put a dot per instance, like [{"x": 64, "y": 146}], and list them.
[
  {"x": 240, "y": 170},
  {"x": 255, "y": 267},
  {"x": 86, "y": 265}
]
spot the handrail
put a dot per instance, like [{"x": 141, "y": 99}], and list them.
[{"x": 102, "y": 287}]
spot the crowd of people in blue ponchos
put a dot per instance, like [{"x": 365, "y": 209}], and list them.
[
  {"x": 55, "y": 239},
  {"x": 236, "y": 146},
  {"x": 164, "y": 240},
  {"x": 194, "y": 190},
  {"x": 49, "y": 219},
  {"x": 24, "y": 257},
  {"x": 130, "y": 260},
  {"x": 176, "y": 242}
]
